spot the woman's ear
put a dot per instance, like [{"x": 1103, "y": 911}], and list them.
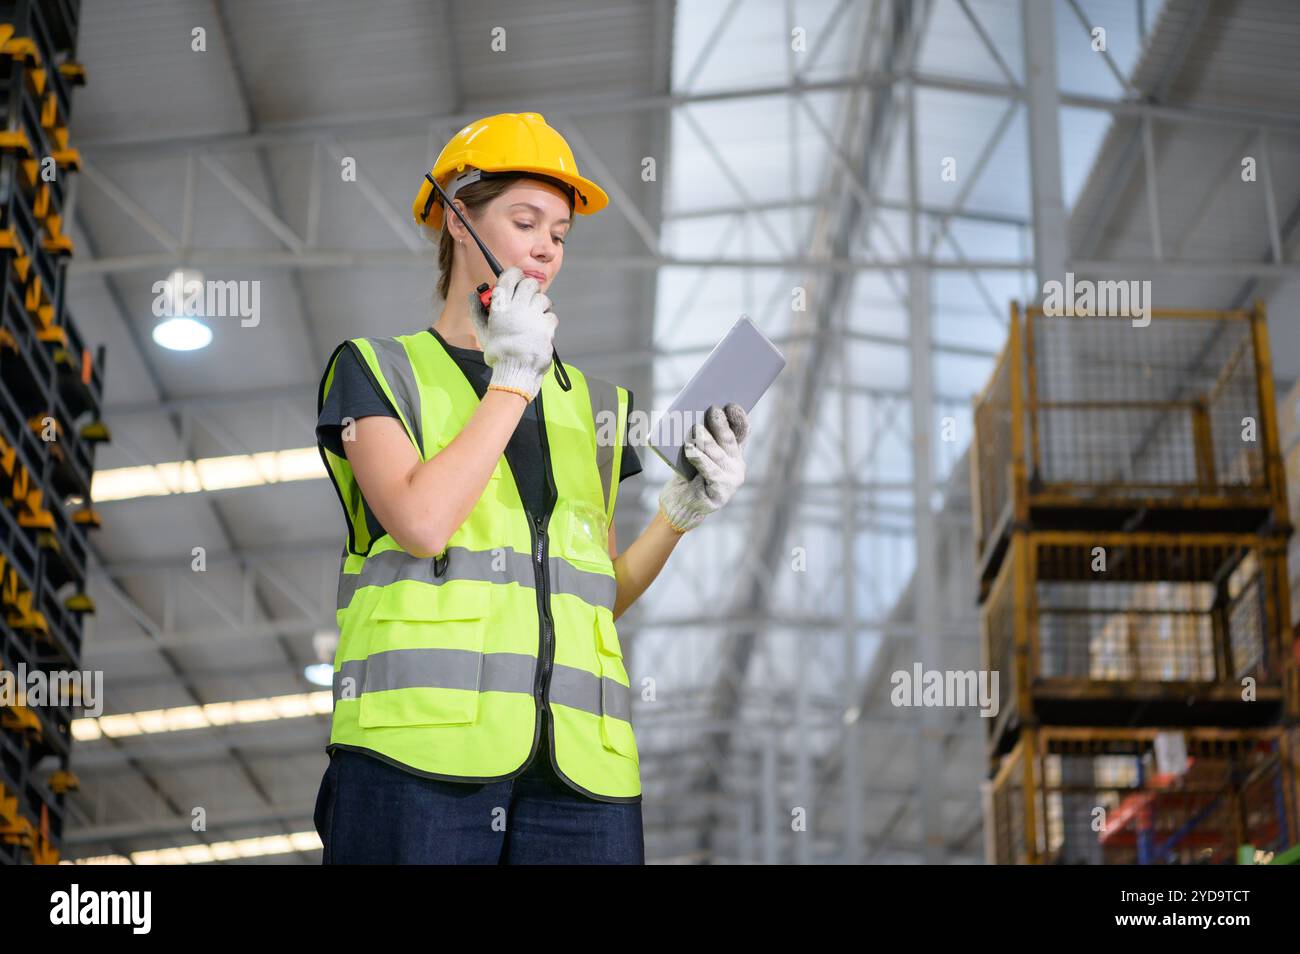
[{"x": 454, "y": 224}]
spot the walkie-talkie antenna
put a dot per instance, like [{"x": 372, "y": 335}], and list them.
[{"x": 491, "y": 259}]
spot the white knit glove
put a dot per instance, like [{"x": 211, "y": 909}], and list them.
[
  {"x": 517, "y": 334},
  {"x": 716, "y": 453}
]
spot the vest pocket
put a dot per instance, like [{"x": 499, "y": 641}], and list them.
[
  {"x": 615, "y": 698},
  {"x": 586, "y": 537},
  {"x": 424, "y": 656}
]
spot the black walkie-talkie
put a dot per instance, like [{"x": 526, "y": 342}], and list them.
[{"x": 485, "y": 290}]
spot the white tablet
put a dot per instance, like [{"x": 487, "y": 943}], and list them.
[{"x": 740, "y": 368}]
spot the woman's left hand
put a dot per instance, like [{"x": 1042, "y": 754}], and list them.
[{"x": 716, "y": 451}]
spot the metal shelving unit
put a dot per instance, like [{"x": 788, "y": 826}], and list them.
[
  {"x": 51, "y": 388},
  {"x": 1131, "y": 525},
  {"x": 1102, "y": 796}
]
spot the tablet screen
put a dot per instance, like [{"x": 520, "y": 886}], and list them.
[{"x": 738, "y": 370}]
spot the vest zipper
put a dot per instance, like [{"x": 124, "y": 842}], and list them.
[
  {"x": 543, "y": 615},
  {"x": 541, "y": 523}
]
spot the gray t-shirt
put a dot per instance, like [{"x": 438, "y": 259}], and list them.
[{"x": 354, "y": 395}]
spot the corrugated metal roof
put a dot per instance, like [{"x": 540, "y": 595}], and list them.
[{"x": 1204, "y": 56}]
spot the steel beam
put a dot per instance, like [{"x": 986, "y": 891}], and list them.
[{"x": 1044, "y": 126}]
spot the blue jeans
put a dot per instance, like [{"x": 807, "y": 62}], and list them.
[{"x": 371, "y": 812}]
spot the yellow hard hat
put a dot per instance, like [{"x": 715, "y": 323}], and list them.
[{"x": 505, "y": 143}]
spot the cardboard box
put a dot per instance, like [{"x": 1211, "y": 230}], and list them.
[
  {"x": 1288, "y": 419},
  {"x": 1291, "y": 464},
  {"x": 1293, "y": 574},
  {"x": 1295, "y": 602}
]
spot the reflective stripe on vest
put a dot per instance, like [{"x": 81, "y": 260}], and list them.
[
  {"x": 609, "y": 412},
  {"x": 493, "y": 672},
  {"x": 501, "y": 566},
  {"x": 399, "y": 386},
  {"x": 437, "y": 666}
]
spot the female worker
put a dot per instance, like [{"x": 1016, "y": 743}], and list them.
[{"x": 481, "y": 706}]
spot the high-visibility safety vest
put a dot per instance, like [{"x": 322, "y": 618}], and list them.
[{"x": 444, "y": 662}]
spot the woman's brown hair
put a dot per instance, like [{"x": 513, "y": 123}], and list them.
[{"x": 475, "y": 196}]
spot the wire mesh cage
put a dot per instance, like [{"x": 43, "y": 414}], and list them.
[
  {"x": 1144, "y": 796},
  {"x": 1096, "y": 412},
  {"x": 1103, "y": 626}
]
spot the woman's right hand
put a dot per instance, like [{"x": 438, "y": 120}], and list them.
[{"x": 517, "y": 334}]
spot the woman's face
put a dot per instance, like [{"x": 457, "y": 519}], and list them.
[{"x": 524, "y": 227}]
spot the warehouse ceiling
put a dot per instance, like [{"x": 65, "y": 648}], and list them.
[
  {"x": 1234, "y": 63},
  {"x": 228, "y": 159}
]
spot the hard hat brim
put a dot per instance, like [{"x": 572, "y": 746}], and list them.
[{"x": 588, "y": 199}]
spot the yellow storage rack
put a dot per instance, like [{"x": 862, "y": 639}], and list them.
[
  {"x": 1131, "y": 522},
  {"x": 1093, "y": 423},
  {"x": 51, "y": 388},
  {"x": 1069, "y": 795}
]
